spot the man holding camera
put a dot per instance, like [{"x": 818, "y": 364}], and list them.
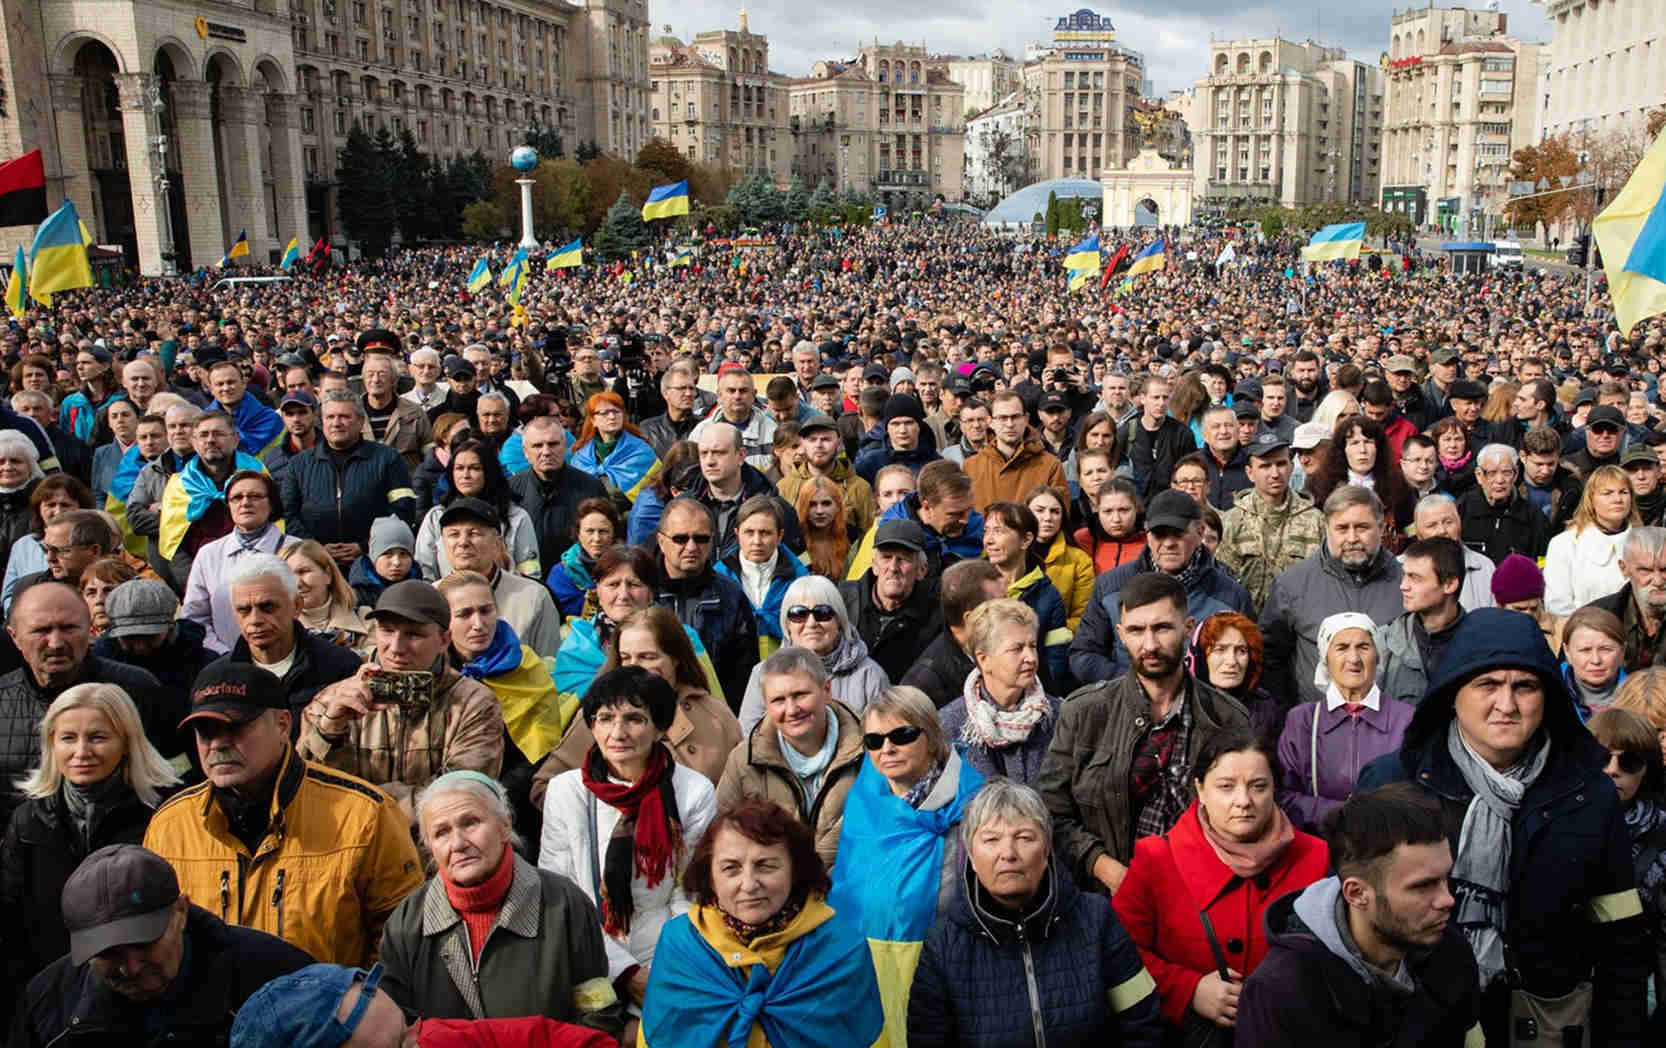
[{"x": 407, "y": 717}]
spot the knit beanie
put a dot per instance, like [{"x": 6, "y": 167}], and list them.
[
  {"x": 901, "y": 405},
  {"x": 899, "y": 375},
  {"x": 1517, "y": 578},
  {"x": 389, "y": 533}
]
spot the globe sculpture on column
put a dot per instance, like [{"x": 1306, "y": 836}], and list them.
[{"x": 524, "y": 159}]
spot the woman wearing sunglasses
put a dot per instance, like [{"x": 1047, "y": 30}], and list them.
[
  {"x": 900, "y": 853},
  {"x": 813, "y": 616},
  {"x": 1634, "y": 763}
]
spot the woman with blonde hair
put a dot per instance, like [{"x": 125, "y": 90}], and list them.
[
  {"x": 821, "y": 517},
  {"x": 324, "y": 601},
  {"x": 1582, "y": 562},
  {"x": 1333, "y": 408},
  {"x": 97, "y": 783},
  {"x": 1501, "y": 401},
  {"x": 1644, "y": 693}
]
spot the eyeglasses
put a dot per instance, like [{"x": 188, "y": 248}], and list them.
[
  {"x": 1630, "y": 763},
  {"x": 821, "y": 613},
  {"x": 704, "y": 538},
  {"x": 902, "y": 736}
]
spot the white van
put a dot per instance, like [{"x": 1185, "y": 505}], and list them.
[
  {"x": 1506, "y": 254},
  {"x": 234, "y": 282}
]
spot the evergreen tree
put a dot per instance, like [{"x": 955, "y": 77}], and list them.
[
  {"x": 1052, "y": 214},
  {"x": 365, "y": 197},
  {"x": 772, "y": 203},
  {"x": 622, "y": 232},
  {"x": 823, "y": 196},
  {"x": 415, "y": 200},
  {"x": 797, "y": 201}
]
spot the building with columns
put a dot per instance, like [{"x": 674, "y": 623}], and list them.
[
  {"x": 716, "y": 101},
  {"x": 987, "y": 78},
  {"x": 172, "y": 126},
  {"x": 1080, "y": 90},
  {"x": 1605, "y": 67},
  {"x": 1462, "y": 97}
]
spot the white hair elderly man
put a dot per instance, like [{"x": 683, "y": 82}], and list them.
[
  {"x": 1498, "y": 520},
  {"x": 1436, "y": 517},
  {"x": 260, "y": 591},
  {"x": 427, "y": 388},
  {"x": 1640, "y": 604}
]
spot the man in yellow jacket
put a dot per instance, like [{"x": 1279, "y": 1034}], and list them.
[{"x": 313, "y": 856}]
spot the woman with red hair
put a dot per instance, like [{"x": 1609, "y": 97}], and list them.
[
  {"x": 1227, "y": 653},
  {"x": 612, "y": 449},
  {"x": 821, "y": 516}
]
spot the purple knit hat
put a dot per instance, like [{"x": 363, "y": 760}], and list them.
[{"x": 1517, "y": 578}]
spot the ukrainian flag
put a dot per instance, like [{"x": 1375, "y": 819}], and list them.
[
  {"x": 479, "y": 276},
  {"x": 239, "y": 248},
  {"x": 1150, "y": 260},
  {"x": 666, "y": 201},
  {"x": 511, "y": 272},
  {"x": 1341, "y": 240},
  {"x": 683, "y": 256},
  {"x": 1082, "y": 261},
  {"x": 567, "y": 256},
  {"x": 86, "y": 234},
  {"x": 519, "y": 285},
  {"x": 17, "y": 295},
  {"x": 1631, "y": 232},
  {"x": 291, "y": 254},
  {"x": 58, "y": 257}
]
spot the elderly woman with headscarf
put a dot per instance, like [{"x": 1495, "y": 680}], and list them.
[
  {"x": 1003, "y": 720},
  {"x": 612, "y": 449},
  {"x": 900, "y": 856},
  {"x": 759, "y": 958},
  {"x": 1326, "y": 744},
  {"x": 1023, "y": 956},
  {"x": 490, "y": 935},
  {"x": 621, "y": 825},
  {"x": 813, "y": 616}
]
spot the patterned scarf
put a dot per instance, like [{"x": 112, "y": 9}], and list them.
[
  {"x": 1189, "y": 574},
  {"x": 750, "y": 933},
  {"x": 1481, "y": 868},
  {"x": 646, "y": 840},
  {"x": 994, "y": 727}
]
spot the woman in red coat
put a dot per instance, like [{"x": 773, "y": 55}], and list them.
[{"x": 1231, "y": 854}]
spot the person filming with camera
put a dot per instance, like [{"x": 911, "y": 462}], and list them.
[{"x": 406, "y": 717}]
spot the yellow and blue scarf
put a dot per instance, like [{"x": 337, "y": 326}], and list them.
[{"x": 187, "y": 497}]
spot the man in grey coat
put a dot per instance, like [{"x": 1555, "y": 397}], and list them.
[
  {"x": 1349, "y": 572},
  {"x": 1410, "y": 647}
]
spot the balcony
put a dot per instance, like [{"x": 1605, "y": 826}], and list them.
[{"x": 899, "y": 179}]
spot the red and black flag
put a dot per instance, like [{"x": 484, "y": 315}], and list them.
[
  {"x": 1116, "y": 264},
  {"x": 23, "y": 191}
]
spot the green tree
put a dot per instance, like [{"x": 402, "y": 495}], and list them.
[
  {"x": 797, "y": 201},
  {"x": 1052, "y": 218},
  {"x": 482, "y": 220},
  {"x": 1272, "y": 221},
  {"x": 664, "y": 162},
  {"x": 414, "y": 202},
  {"x": 365, "y": 196},
  {"x": 622, "y": 232},
  {"x": 570, "y": 195},
  {"x": 823, "y": 196}
]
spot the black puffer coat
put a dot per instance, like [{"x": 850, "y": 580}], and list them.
[
  {"x": 15, "y": 518},
  {"x": 1063, "y": 972}
]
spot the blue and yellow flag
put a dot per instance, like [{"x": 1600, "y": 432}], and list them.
[
  {"x": 291, "y": 254},
  {"x": 682, "y": 256},
  {"x": 17, "y": 294},
  {"x": 519, "y": 285},
  {"x": 115, "y": 498},
  {"x": 86, "y": 234},
  {"x": 666, "y": 201},
  {"x": 479, "y": 276},
  {"x": 567, "y": 256},
  {"x": 1150, "y": 260},
  {"x": 1339, "y": 240},
  {"x": 239, "y": 248},
  {"x": 58, "y": 257},
  {"x": 187, "y": 496},
  {"x": 1082, "y": 261},
  {"x": 512, "y": 271},
  {"x": 1631, "y": 232}
]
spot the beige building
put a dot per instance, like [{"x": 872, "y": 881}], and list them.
[
  {"x": 1080, "y": 90},
  {"x": 244, "y": 106},
  {"x": 889, "y": 124},
  {"x": 986, "y": 78},
  {"x": 1287, "y": 123},
  {"x": 1462, "y": 98},
  {"x": 716, "y": 101},
  {"x": 1605, "y": 67}
]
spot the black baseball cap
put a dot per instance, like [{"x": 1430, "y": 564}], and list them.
[
  {"x": 1605, "y": 415},
  {"x": 301, "y": 397},
  {"x": 1172, "y": 509},
  {"x": 1265, "y": 443},
  {"x": 470, "y": 509},
  {"x": 120, "y": 895},
  {"x": 1246, "y": 410},
  {"x": 1054, "y": 402},
  {"x": 900, "y": 532},
  {"x": 958, "y": 384},
  {"x": 817, "y": 420},
  {"x": 825, "y": 381},
  {"x": 234, "y": 693},
  {"x": 414, "y": 601}
]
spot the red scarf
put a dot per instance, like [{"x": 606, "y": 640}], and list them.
[
  {"x": 647, "y": 837},
  {"x": 479, "y": 904}
]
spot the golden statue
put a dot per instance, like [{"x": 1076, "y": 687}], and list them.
[{"x": 1149, "y": 120}]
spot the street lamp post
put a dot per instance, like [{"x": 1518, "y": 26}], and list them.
[
  {"x": 159, "y": 107},
  {"x": 524, "y": 159}
]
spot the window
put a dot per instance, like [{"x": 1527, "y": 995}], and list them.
[
  {"x": 307, "y": 121},
  {"x": 364, "y": 50},
  {"x": 310, "y": 153},
  {"x": 358, "y": 14},
  {"x": 341, "y": 122}
]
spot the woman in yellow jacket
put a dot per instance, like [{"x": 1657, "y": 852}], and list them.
[
  {"x": 760, "y": 952},
  {"x": 1068, "y": 567}
]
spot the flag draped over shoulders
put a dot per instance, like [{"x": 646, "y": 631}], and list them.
[
  {"x": 116, "y": 495},
  {"x": 187, "y": 497},
  {"x": 258, "y": 426}
]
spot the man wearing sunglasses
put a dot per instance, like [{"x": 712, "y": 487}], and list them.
[
  {"x": 328, "y": 1006},
  {"x": 710, "y": 603},
  {"x": 142, "y": 957}
]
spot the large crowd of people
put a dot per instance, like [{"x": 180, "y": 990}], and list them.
[{"x": 849, "y": 638}]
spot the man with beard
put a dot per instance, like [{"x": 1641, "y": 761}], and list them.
[
  {"x": 824, "y": 457},
  {"x": 193, "y": 510},
  {"x": 1350, "y": 571},
  {"x": 1640, "y": 604},
  {"x": 1369, "y": 955},
  {"x": 1307, "y": 379},
  {"x": 1119, "y": 766},
  {"x": 1443, "y": 371},
  {"x": 1401, "y": 372},
  {"x": 1174, "y": 547}
]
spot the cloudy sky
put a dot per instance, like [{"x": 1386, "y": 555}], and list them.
[{"x": 1172, "y": 34}]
